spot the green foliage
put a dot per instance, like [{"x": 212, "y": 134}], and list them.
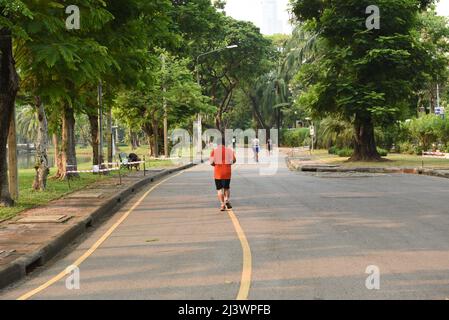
[
  {"x": 345, "y": 152},
  {"x": 382, "y": 152},
  {"x": 426, "y": 130},
  {"x": 295, "y": 137},
  {"x": 366, "y": 77},
  {"x": 407, "y": 148}
]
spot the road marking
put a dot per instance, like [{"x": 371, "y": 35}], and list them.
[
  {"x": 245, "y": 282},
  {"x": 92, "y": 249}
]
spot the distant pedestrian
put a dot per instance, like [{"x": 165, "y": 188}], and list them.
[
  {"x": 234, "y": 143},
  {"x": 256, "y": 149},
  {"x": 269, "y": 146},
  {"x": 222, "y": 159}
]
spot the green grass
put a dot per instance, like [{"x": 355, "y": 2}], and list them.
[
  {"x": 28, "y": 198},
  {"x": 55, "y": 190},
  {"x": 395, "y": 160}
]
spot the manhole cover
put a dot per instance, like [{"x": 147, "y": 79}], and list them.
[
  {"x": 44, "y": 219},
  {"x": 6, "y": 253}
]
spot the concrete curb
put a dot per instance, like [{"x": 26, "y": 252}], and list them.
[
  {"x": 326, "y": 168},
  {"x": 20, "y": 267}
]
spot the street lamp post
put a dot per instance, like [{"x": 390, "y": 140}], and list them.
[{"x": 199, "y": 118}]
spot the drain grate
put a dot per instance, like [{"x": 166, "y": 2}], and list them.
[{"x": 45, "y": 219}]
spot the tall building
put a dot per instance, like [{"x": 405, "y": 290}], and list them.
[
  {"x": 270, "y": 18},
  {"x": 269, "y": 15}
]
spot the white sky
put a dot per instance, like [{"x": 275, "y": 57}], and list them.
[
  {"x": 443, "y": 8},
  {"x": 251, "y": 10}
]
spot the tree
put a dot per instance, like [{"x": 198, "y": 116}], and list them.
[
  {"x": 9, "y": 81},
  {"x": 171, "y": 81},
  {"x": 364, "y": 76},
  {"x": 226, "y": 71}
]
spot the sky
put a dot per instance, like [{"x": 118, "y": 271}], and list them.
[
  {"x": 443, "y": 8},
  {"x": 253, "y": 10}
]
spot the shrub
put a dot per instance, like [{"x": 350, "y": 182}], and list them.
[
  {"x": 426, "y": 130},
  {"x": 295, "y": 137},
  {"x": 382, "y": 152},
  {"x": 333, "y": 150},
  {"x": 345, "y": 152},
  {"x": 407, "y": 148}
]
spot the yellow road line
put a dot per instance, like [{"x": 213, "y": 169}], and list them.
[
  {"x": 245, "y": 282},
  {"x": 92, "y": 249}
]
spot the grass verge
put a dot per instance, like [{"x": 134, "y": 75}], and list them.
[{"x": 56, "y": 189}]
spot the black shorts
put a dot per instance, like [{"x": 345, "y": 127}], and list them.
[{"x": 223, "y": 184}]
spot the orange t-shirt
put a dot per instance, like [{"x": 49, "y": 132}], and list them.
[{"x": 223, "y": 158}]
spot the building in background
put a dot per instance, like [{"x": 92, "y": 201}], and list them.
[{"x": 271, "y": 16}]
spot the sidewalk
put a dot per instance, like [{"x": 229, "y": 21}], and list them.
[{"x": 35, "y": 236}]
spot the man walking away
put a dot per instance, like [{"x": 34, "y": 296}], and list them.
[
  {"x": 222, "y": 159},
  {"x": 256, "y": 149}
]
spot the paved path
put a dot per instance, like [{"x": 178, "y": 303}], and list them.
[{"x": 310, "y": 236}]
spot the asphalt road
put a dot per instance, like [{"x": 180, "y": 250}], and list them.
[{"x": 310, "y": 237}]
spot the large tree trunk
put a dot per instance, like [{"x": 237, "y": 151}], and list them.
[
  {"x": 13, "y": 168},
  {"x": 42, "y": 167},
  {"x": 9, "y": 85},
  {"x": 364, "y": 141},
  {"x": 93, "y": 120},
  {"x": 68, "y": 142}
]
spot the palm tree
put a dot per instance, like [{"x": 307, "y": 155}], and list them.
[
  {"x": 272, "y": 91},
  {"x": 27, "y": 123}
]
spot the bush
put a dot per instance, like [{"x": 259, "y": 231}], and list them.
[
  {"x": 295, "y": 137},
  {"x": 427, "y": 130},
  {"x": 345, "y": 152},
  {"x": 333, "y": 150},
  {"x": 406, "y": 148},
  {"x": 382, "y": 152}
]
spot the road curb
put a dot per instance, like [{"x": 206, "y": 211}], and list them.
[
  {"x": 19, "y": 268},
  {"x": 326, "y": 168}
]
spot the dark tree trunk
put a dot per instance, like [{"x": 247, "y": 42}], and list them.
[
  {"x": 109, "y": 136},
  {"x": 68, "y": 142},
  {"x": 364, "y": 141},
  {"x": 41, "y": 166},
  {"x": 9, "y": 85},
  {"x": 156, "y": 137},
  {"x": 148, "y": 130},
  {"x": 12, "y": 159},
  {"x": 134, "y": 140},
  {"x": 93, "y": 120}
]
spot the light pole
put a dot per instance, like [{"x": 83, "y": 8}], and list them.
[{"x": 199, "y": 119}]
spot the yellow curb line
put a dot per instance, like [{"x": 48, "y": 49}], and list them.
[{"x": 245, "y": 282}]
